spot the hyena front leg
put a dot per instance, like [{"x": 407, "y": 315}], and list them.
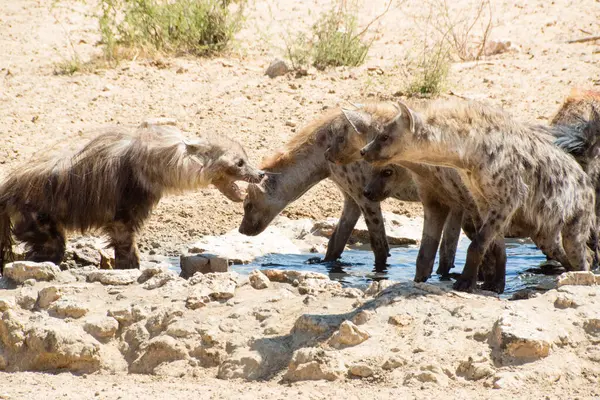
[
  {"x": 374, "y": 219},
  {"x": 45, "y": 239},
  {"x": 494, "y": 266},
  {"x": 122, "y": 239},
  {"x": 435, "y": 217},
  {"x": 343, "y": 230},
  {"x": 449, "y": 242},
  {"x": 491, "y": 229}
]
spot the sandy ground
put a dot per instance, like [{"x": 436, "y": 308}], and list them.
[{"x": 231, "y": 95}]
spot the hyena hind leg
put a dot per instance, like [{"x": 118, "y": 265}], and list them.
[
  {"x": 122, "y": 240},
  {"x": 44, "y": 238}
]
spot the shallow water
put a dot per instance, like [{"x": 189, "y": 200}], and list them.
[{"x": 356, "y": 266}]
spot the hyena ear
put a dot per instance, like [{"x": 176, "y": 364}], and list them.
[
  {"x": 360, "y": 120},
  {"x": 404, "y": 110},
  {"x": 196, "y": 146}
]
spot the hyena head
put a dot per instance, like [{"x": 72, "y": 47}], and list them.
[
  {"x": 229, "y": 163},
  {"x": 382, "y": 181},
  {"x": 347, "y": 135},
  {"x": 393, "y": 139},
  {"x": 261, "y": 206}
]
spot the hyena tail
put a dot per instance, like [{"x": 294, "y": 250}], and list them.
[{"x": 6, "y": 239}]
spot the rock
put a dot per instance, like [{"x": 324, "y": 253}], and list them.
[
  {"x": 309, "y": 364},
  {"x": 580, "y": 278},
  {"x": 194, "y": 302},
  {"x": 27, "y": 297},
  {"x": 159, "y": 280},
  {"x": 348, "y": 335},
  {"x": 352, "y": 293},
  {"x": 101, "y": 327},
  {"x": 564, "y": 301},
  {"x": 243, "y": 363},
  {"x": 123, "y": 315},
  {"x": 592, "y": 326},
  {"x": 258, "y": 280},
  {"x": 401, "y": 321},
  {"x": 182, "y": 329},
  {"x": 6, "y": 305},
  {"x": 151, "y": 271},
  {"x": 315, "y": 325},
  {"x": 291, "y": 123},
  {"x": 67, "y": 308},
  {"x": 106, "y": 260},
  {"x": 427, "y": 376},
  {"x": 277, "y": 68},
  {"x": 289, "y": 276},
  {"x": 216, "y": 286},
  {"x": 394, "y": 362},
  {"x": 20, "y": 271},
  {"x": 361, "y": 370},
  {"x": 57, "y": 346},
  {"x": 210, "y": 357},
  {"x": 518, "y": 340},
  {"x": 156, "y": 351},
  {"x": 376, "y": 287},
  {"x": 114, "y": 277},
  {"x": 474, "y": 371},
  {"x": 493, "y": 47},
  {"x": 400, "y": 230},
  {"x": 203, "y": 263},
  {"x": 362, "y": 317},
  {"x": 48, "y": 295},
  {"x": 315, "y": 286},
  {"x": 162, "y": 318},
  {"x": 508, "y": 380}
]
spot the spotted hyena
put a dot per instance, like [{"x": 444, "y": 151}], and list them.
[{"x": 511, "y": 170}]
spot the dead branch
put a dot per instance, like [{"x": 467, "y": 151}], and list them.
[{"x": 585, "y": 39}]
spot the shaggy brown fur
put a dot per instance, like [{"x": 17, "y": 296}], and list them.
[
  {"x": 511, "y": 169},
  {"x": 112, "y": 184}
]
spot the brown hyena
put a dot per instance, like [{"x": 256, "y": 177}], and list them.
[
  {"x": 509, "y": 168},
  {"x": 302, "y": 164},
  {"x": 112, "y": 184}
]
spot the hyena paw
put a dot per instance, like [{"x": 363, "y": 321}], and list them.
[
  {"x": 464, "y": 284},
  {"x": 497, "y": 287}
]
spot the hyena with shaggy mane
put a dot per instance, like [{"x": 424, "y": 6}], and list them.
[
  {"x": 511, "y": 169},
  {"x": 112, "y": 184}
]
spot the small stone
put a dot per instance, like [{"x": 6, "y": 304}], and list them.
[
  {"x": 564, "y": 301},
  {"x": 20, "y": 271},
  {"x": 27, "y": 297},
  {"x": 291, "y": 123},
  {"x": 243, "y": 363},
  {"x": 29, "y": 282},
  {"x": 101, "y": 327},
  {"x": 581, "y": 278},
  {"x": 474, "y": 371},
  {"x": 394, "y": 362},
  {"x": 114, "y": 277},
  {"x": 592, "y": 326},
  {"x": 362, "y": 317},
  {"x": 195, "y": 302},
  {"x": 308, "y": 364},
  {"x": 216, "y": 286},
  {"x": 203, "y": 263},
  {"x": 402, "y": 320},
  {"x": 67, "y": 308},
  {"x": 151, "y": 271},
  {"x": 309, "y": 299},
  {"x": 258, "y": 280},
  {"x": 352, "y": 293},
  {"x": 106, "y": 260},
  {"x": 361, "y": 370},
  {"x": 277, "y": 68},
  {"x": 348, "y": 335},
  {"x": 6, "y": 305},
  {"x": 517, "y": 340},
  {"x": 159, "y": 280}
]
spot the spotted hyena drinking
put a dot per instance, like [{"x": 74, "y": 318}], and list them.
[
  {"x": 511, "y": 170},
  {"x": 112, "y": 184},
  {"x": 302, "y": 164}
]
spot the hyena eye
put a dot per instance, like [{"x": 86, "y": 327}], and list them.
[
  {"x": 341, "y": 139},
  {"x": 248, "y": 207},
  {"x": 240, "y": 163},
  {"x": 386, "y": 173},
  {"x": 384, "y": 138}
]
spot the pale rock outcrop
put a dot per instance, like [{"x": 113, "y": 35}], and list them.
[{"x": 20, "y": 271}]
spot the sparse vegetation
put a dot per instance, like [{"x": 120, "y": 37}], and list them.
[
  {"x": 430, "y": 70},
  {"x": 334, "y": 40},
  {"x": 466, "y": 29},
  {"x": 197, "y": 27},
  {"x": 68, "y": 66}
]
